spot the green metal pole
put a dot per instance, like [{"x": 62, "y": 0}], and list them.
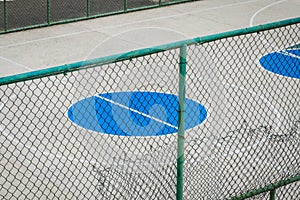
[
  {"x": 125, "y": 5},
  {"x": 267, "y": 188},
  {"x": 88, "y": 8},
  {"x": 48, "y": 12},
  {"x": 272, "y": 194},
  {"x": 181, "y": 111},
  {"x": 5, "y": 15}
]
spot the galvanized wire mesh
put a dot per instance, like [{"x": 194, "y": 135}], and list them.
[
  {"x": 251, "y": 137},
  {"x": 19, "y": 15},
  {"x": 108, "y": 130},
  {"x": 291, "y": 191},
  {"x": 45, "y": 154}
]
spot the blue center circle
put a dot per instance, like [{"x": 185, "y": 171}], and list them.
[
  {"x": 134, "y": 113},
  {"x": 285, "y": 62}
]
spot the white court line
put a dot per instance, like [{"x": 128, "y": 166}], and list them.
[
  {"x": 32, "y": 148},
  {"x": 262, "y": 9},
  {"x": 257, "y": 143},
  {"x": 15, "y": 63},
  {"x": 136, "y": 111},
  {"x": 271, "y": 106},
  {"x": 291, "y": 48},
  {"x": 284, "y": 52},
  {"x": 127, "y": 24}
]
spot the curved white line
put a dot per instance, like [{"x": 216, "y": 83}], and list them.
[
  {"x": 127, "y": 24},
  {"x": 262, "y": 9},
  {"x": 32, "y": 148},
  {"x": 284, "y": 52},
  {"x": 257, "y": 143},
  {"x": 236, "y": 151},
  {"x": 269, "y": 104}
]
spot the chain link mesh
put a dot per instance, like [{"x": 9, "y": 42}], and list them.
[
  {"x": 108, "y": 131},
  {"x": 251, "y": 137},
  {"x": 20, "y": 15},
  {"x": 44, "y": 154}
]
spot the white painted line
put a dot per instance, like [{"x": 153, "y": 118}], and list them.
[
  {"x": 295, "y": 48},
  {"x": 34, "y": 149},
  {"x": 15, "y": 63},
  {"x": 127, "y": 24},
  {"x": 288, "y": 54},
  {"x": 136, "y": 111},
  {"x": 269, "y": 104},
  {"x": 262, "y": 9}
]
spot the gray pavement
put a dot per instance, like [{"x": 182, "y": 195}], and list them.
[
  {"x": 61, "y": 44},
  {"x": 69, "y": 155}
]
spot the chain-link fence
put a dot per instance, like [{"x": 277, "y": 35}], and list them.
[
  {"x": 21, "y": 14},
  {"x": 216, "y": 117}
]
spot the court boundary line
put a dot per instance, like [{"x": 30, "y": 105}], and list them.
[
  {"x": 132, "y": 42},
  {"x": 136, "y": 111},
  {"x": 126, "y": 24},
  {"x": 93, "y": 161},
  {"x": 33, "y": 148},
  {"x": 15, "y": 63},
  {"x": 262, "y": 9},
  {"x": 284, "y": 52}
]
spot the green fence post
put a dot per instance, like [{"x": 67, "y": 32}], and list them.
[
  {"x": 5, "y": 15},
  {"x": 125, "y": 5},
  {"x": 181, "y": 110},
  {"x": 88, "y": 9},
  {"x": 272, "y": 194},
  {"x": 48, "y": 12}
]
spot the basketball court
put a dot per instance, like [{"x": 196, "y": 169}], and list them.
[{"x": 146, "y": 94}]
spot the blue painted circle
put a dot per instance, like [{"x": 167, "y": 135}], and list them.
[
  {"x": 134, "y": 113},
  {"x": 285, "y": 62}
]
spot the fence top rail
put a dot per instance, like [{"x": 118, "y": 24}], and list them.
[
  {"x": 63, "y": 69},
  {"x": 267, "y": 188}
]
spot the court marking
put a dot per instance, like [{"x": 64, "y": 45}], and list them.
[
  {"x": 136, "y": 111},
  {"x": 262, "y": 9},
  {"x": 15, "y": 63},
  {"x": 257, "y": 142},
  {"x": 279, "y": 62},
  {"x": 127, "y": 24},
  {"x": 284, "y": 52},
  {"x": 103, "y": 114},
  {"x": 132, "y": 42},
  {"x": 33, "y": 148},
  {"x": 93, "y": 162}
]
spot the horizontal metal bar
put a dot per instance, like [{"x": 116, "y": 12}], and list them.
[
  {"x": 93, "y": 16},
  {"x": 268, "y": 188},
  {"x": 142, "y": 52}
]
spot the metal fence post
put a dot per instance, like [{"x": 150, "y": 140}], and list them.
[
  {"x": 48, "y": 12},
  {"x": 125, "y": 5},
  {"x": 5, "y": 15},
  {"x": 272, "y": 194},
  {"x": 88, "y": 9},
  {"x": 181, "y": 110}
]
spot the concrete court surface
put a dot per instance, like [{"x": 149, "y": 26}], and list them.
[{"x": 56, "y": 45}]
